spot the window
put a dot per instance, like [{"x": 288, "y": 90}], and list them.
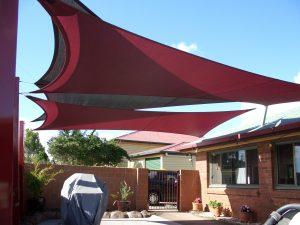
[
  {"x": 237, "y": 167},
  {"x": 288, "y": 164}
]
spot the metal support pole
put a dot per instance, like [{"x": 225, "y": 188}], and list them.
[
  {"x": 265, "y": 115},
  {"x": 21, "y": 169},
  {"x": 8, "y": 107}
]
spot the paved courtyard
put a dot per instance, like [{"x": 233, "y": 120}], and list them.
[
  {"x": 162, "y": 218},
  {"x": 167, "y": 218}
]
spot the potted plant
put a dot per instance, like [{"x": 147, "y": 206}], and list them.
[
  {"x": 197, "y": 204},
  {"x": 246, "y": 214},
  {"x": 215, "y": 207},
  {"x": 122, "y": 197},
  {"x": 36, "y": 180}
]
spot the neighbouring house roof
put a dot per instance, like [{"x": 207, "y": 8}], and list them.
[
  {"x": 170, "y": 149},
  {"x": 157, "y": 137}
]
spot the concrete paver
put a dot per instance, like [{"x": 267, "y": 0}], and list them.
[
  {"x": 153, "y": 220},
  {"x": 185, "y": 218}
]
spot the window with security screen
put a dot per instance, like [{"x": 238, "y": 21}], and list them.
[
  {"x": 236, "y": 167},
  {"x": 288, "y": 164}
]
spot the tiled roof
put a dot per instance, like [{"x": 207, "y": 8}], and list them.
[{"x": 157, "y": 137}]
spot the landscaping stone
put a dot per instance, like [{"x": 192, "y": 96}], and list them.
[
  {"x": 134, "y": 214},
  {"x": 106, "y": 215},
  {"x": 145, "y": 213},
  {"x": 52, "y": 222},
  {"x": 52, "y": 214},
  {"x": 37, "y": 218},
  {"x": 118, "y": 215}
]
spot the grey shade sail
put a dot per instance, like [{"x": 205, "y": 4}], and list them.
[
  {"x": 119, "y": 101},
  {"x": 122, "y": 101},
  {"x": 58, "y": 60}
]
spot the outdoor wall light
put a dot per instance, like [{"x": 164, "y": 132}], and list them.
[{"x": 191, "y": 158}]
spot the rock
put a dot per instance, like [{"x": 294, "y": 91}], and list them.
[
  {"x": 57, "y": 214},
  {"x": 106, "y": 215},
  {"x": 51, "y": 215},
  {"x": 27, "y": 223},
  {"x": 37, "y": 218},
  {"x": 145, "y": 213},
  {"x": 118, "y": 214},
  {"x": 52, "y": 222},
  {"x": 134, "y": 214}
]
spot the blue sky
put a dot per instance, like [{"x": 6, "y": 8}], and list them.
[{"x": 258, "y": 36}]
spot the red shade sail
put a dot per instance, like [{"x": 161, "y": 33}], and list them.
[
  {"x": 100, "y": 58},
  {"x": 68, "y": 116}
]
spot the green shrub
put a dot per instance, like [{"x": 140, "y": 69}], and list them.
[
  {"x": 38, "y": 178},
  {"x": 215, "y": 204},
  {"x": 124, "y": 193}
]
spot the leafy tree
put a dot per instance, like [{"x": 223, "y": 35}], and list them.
[
  {"x": 79, "y": 148},
  {"x": 34, "y": 150}
]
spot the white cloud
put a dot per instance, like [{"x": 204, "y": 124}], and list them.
[
  {"x": 297, "y": 78},
  {"x": 186, "y": 47}
]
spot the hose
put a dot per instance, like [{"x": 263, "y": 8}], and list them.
[{"x": 277, "y": 215}]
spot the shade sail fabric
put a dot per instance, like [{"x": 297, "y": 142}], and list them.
[
  {"x": 68, "y": 116},
  {"x": 101, "y": 58},
  {"x": 120, "y": 101}
]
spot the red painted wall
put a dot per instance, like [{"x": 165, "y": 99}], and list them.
[{"x": 8, "y": 106}]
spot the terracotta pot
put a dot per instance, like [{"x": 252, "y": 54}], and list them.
[
  {"x": 216, "y": 211},
  {"x": 246, "y": 217},
  {"x": 123, "y": 205},
  {"x": 197, "y": 206}
]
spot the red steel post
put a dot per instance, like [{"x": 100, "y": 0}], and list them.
[{"x": 8, "y": 106}]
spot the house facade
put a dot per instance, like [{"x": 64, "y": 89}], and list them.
[
  {"x": 261, "y": 169},
  {"x": 154, "y": 150},
  {"x": 163, "y": 159}
]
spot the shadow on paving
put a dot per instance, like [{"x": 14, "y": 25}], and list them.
[
  {"x": 188, "y": 219},
  {"x": 195, "y": 222}
]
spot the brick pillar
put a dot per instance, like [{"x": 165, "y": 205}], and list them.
[
  {"x": 201, "y": 166},
  {"x": 189, "y": 188},
  {"x": 141, "y": 194},
  {"x": 265, "y": 169}
]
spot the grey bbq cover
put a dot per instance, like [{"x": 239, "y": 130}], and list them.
[{"x": 83, "y": 200}]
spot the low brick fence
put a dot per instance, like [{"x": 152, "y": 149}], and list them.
[{"x": 136, "y": 178}]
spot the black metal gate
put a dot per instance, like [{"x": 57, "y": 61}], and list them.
[{"x": 163, "y": 189}]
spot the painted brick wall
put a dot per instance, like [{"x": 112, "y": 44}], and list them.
[
  {"x": 263, "y": 199},
  {"x": 136, "y": 178}
]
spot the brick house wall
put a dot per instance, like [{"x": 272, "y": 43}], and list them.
[{"x": 262, "y": 199}]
